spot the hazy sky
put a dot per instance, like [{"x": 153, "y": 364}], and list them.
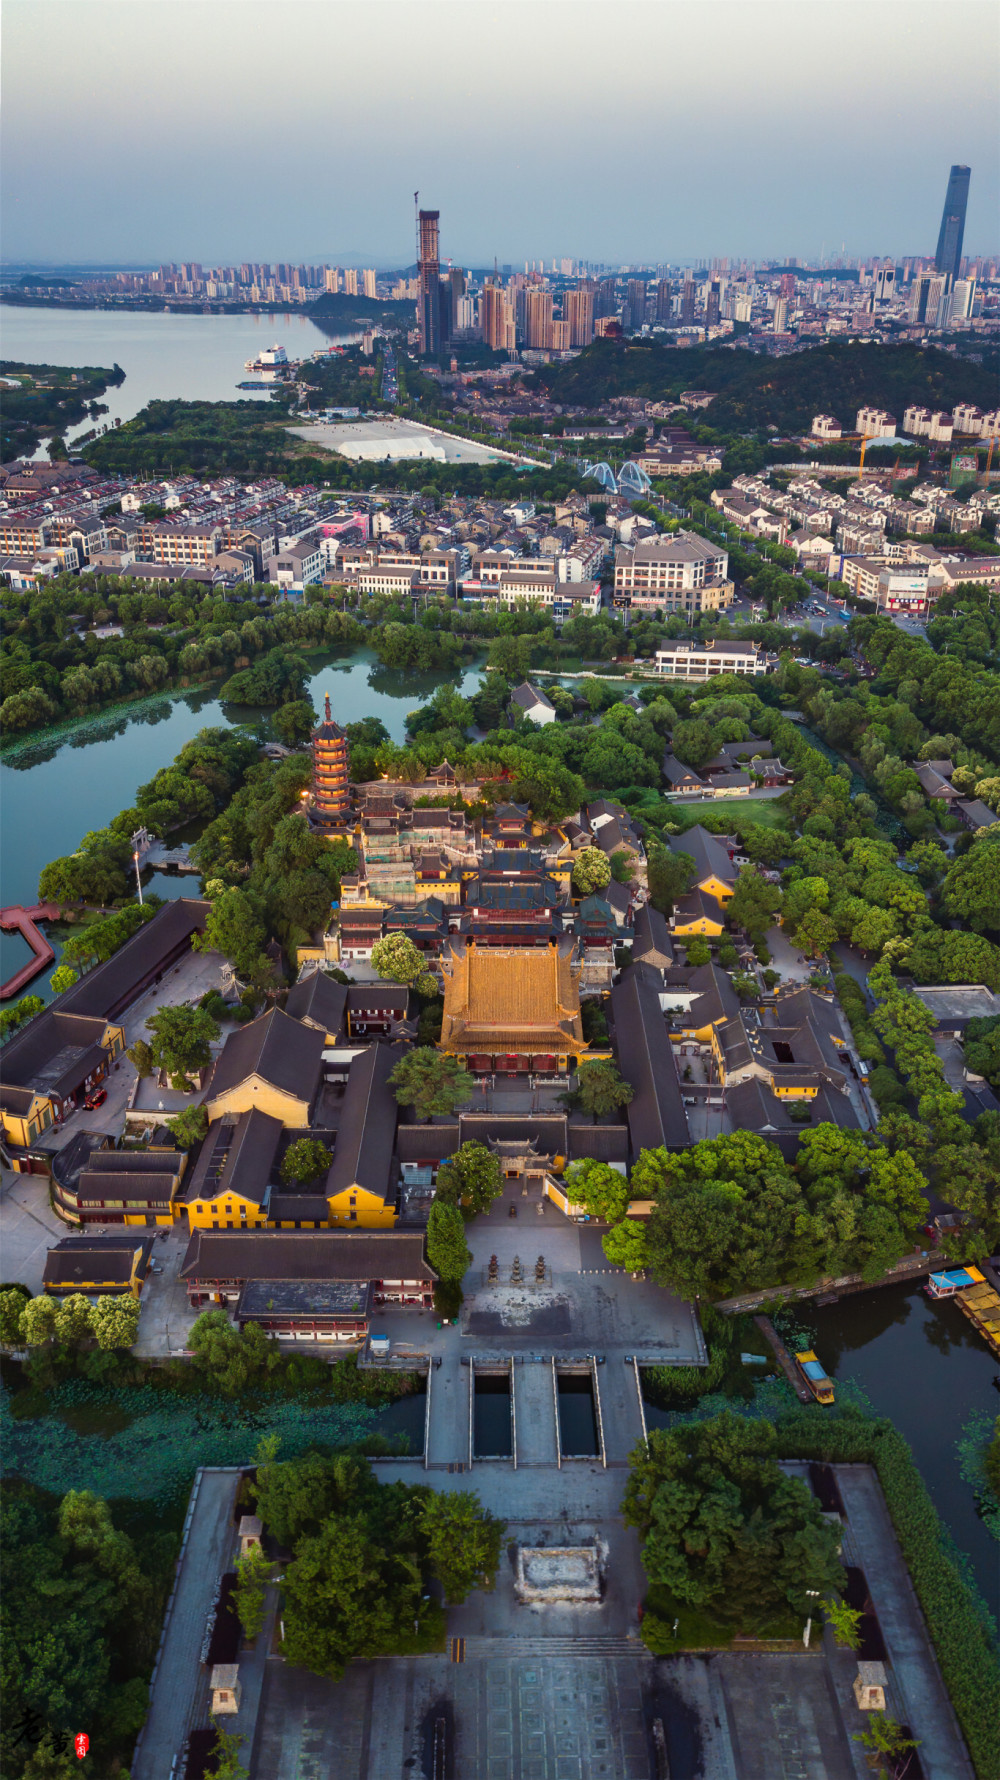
[{"x": 634, "y": 130}]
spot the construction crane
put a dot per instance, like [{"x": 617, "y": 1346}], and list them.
[{"x": 864, "y": 445}]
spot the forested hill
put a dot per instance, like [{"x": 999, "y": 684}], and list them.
[
  {"x": 757, "y": 391},
  {"x": 335, "y": 310}
]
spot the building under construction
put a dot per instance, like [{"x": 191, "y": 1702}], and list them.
[{"x": 438, "y": 296}]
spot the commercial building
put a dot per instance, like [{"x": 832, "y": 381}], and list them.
[
  {"x": 948, "y": 258},
  {"x": 429, "y": 274},
  {"x": 678, "y": 573},
  {"x": 538, "y": 319},
  {"x": 496, "y": 319},
  {"x": 578, "y": 311},
  {"x": 928, "y": 296}
]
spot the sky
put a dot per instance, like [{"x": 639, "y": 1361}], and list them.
[{"x": 642, "y": 131}]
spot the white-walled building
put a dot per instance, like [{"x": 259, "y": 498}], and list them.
[
  {"x": 875, "y": 423},
  {"x": 701, "y": 661}
]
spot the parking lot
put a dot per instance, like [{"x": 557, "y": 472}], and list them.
[{"x": 30, "y": 1227}]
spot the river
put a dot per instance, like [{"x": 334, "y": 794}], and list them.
[{"x": 199, "y": 358}]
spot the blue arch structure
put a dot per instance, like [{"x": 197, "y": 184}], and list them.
[
  {"x": 602, "y": 473},
  {"x": 632, "y": 479}
]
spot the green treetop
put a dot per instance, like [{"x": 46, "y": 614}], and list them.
[
  {"x": 599, "y": 1188},
  {"x": 592, "y": 871},
  {"x": 397, "y": 959},
  {"x": 471, "y": 1178},
  {"x": 601, "y": 1089},
  {"x": 181, "y": 1043},
  {"x": 447, "y": 1250},
  {"x": 304, "y": 1160},
  {"x": 431, "y": 1082},
  {"x": 724, "y": 1529}
]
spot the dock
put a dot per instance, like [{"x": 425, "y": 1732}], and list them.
[
  {"x": 981, "y": 1304},
  {"x": 784, "y": 1358},
  {"x": 15, "y": 919}
]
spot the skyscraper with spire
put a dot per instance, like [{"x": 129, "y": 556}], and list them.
[
  {"x": 948, "y": 258},
  {"x": 331, "y": 785},
  {"x": 429, "y": 276}
]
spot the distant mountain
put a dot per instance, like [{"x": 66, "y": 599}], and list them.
[{"x": 45, "y": 281}]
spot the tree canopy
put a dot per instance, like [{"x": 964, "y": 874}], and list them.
[
  {"x": 724, "y": 1530},
  {"x": 731, "y": 1215},
  {"x": 430, "y": 1082}
]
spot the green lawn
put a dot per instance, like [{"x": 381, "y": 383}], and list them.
[{"x": 733, "y": 810}]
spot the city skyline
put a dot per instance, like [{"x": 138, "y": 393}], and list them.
[{"x": 186, "y": 168}]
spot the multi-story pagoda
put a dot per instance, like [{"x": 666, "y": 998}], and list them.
[{"x": 331, "y": 787}]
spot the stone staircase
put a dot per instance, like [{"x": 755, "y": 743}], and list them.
[{"x": 519, "y": 1649}]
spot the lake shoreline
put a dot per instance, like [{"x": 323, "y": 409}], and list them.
[
  {"x": 107, "y": 307},
  {"x": 11, "y": 747}
]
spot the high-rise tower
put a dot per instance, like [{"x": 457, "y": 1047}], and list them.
[
  {"x": 949, "y": 248},
  {"x": 331, "y": 787},
  {"x": 429, "y": 276}
]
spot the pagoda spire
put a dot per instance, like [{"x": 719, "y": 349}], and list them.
[{"x": 329, "y": 713}]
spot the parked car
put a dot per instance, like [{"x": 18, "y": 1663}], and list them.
[{"x": 96, "y": 1099}]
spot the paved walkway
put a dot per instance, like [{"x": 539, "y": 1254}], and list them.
[
  {"x": 448, "y": 1439},
  {"x": 917, "y": 1694},
  {"x": 30, "y": 1227},
  {"x": 793, "y": 965},
  {"x": 179, "y": 1692},
  {"x": 535, "y": 1409}
]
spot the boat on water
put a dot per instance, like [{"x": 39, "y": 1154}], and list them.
[
  {"x": 270, "y": 366},
  {"x": 955, "y": 1279},
  {"x": 816, "y": 1379}
]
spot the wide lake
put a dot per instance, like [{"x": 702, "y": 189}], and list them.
[{"x": 196, "y": 357}]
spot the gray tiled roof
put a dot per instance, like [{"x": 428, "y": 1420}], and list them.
[
  {"x": 282, "y": 1051},
  {"x": 291, "y": 1254},
  {"x": 656, "y": 1113},
  {"x": 367, "y": 1132}
]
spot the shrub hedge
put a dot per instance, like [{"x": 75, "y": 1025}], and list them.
[
  {"x": 958, "y": 1623},
  {"x": 852, "y": 999}
]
